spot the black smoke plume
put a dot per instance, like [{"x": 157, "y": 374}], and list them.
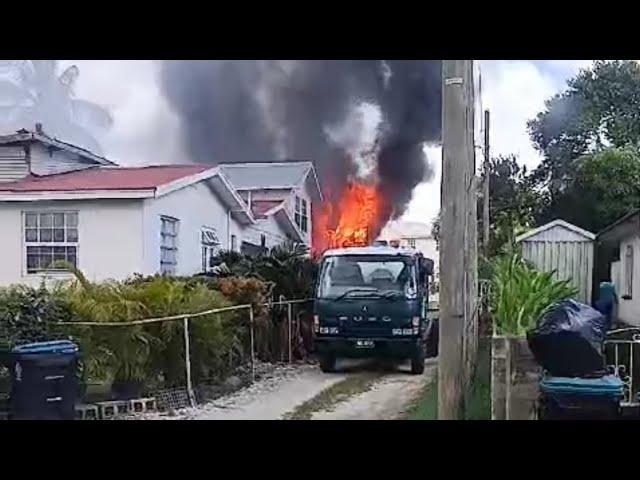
[{"x": 257, "y": 111}]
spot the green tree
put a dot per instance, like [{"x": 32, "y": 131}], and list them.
[
  {"x": 513, "y": 201},
  {"x": 600, "y": 107},
  {"x": 605, "y": 186}
]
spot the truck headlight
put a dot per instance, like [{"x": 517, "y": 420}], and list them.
[
  {"x": 396, "y": 331},
  {"x": 324, "y": 330},
  {"x": 407, "y": 331},
  {"x": 334, "y": 330}
]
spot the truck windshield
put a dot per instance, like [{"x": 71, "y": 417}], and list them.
[{"x": 367, "y": 275}]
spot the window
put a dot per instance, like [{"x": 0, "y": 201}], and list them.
[
  {"x": 411, "y": 242},
  {"x": 50, "y": 237},
  {"x": 301, "y": 216},
  {"x": 168, "y": 245},
  {"x": 234, "y": 243},
  {"x": 628, "y": 272},
  {"x": 263, "y": 241},
  {"x": 210, "y": 246},
  {"x": 305, "y": 217},
  {"x": 297, "y": 215}
]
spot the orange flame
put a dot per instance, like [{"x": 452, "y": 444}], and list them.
[{"x": 353, "y": 220}]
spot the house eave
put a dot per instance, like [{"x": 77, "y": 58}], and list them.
[
  {"x": 284, "y": 219},
  {"x": 75, "y": 195},
  {"x": 625, "y": 226}
]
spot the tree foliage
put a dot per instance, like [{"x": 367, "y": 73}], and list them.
[
  {"x": 599, "y": 108},
  {"x": 513, "y": 201},
  {"x": 605, "y": 186}
]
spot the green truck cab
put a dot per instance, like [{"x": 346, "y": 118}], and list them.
[{"x": 373, "y": 302}]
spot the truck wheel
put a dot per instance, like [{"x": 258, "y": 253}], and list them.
[
  {"x": 432, "y": 341},
  {"x": 328, "y": 363},
  {"x": 417, "y": 362}
]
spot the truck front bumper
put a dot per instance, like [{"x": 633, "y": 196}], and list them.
[{"x": 380, "y": 347}]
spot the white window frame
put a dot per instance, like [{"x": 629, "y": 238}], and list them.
[
  {"x": 628, "y": 271},
  {"x": 65, "y": 243},
  {"x": 411, "y": 242},
  {"x": 210, "y": 243},
  {"x": 175, "y": 235},
  {"x": 301, "y": 213}
]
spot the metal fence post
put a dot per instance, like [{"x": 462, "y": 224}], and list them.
[
  {"x": 253, "y": 355},
  {"x": 187, "y": 362},
  {"x": 289, "y": 308}
]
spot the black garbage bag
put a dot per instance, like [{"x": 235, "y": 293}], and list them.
[{"x": 568, "y": 340}]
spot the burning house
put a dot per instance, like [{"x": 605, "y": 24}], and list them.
[{"x": 363, "y": 123}]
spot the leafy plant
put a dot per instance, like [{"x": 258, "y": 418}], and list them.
[
  {"x": 520, "y": 294},
  {"x": 27, "y": 314}
]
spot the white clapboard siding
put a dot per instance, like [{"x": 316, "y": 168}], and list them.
[
  {"x": 13, "y": 164},
  {"x": 45, "y": 161},
  {"x": 565, "y": 249}
]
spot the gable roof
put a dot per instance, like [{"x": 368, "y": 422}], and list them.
[
  {"x": 23, "y": 136},
  {"x": 554, "y": 224},
  {"x": 104, "y": 178},
  {"x": 271, "y": 176}
]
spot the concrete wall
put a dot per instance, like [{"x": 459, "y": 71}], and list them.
[{"x": 109, "y": 239}]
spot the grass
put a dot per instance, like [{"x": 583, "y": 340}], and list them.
[
  {"x": 426, "y": 406},
  {"x": 479, "y": 405},
  {"x": 336, "y": 393}
]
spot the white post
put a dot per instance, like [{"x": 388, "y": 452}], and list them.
[
  {"x": 253, "y": 359},
  {"x": 289, "y": 321},
  {"x": 187, "y": 362}
]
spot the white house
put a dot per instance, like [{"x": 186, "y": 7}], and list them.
[
  {"x": 412, "y": 235},
  {"x": 620, "y": 244},
  {"x": 60, "y": 202}
]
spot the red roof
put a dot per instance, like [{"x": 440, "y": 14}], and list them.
[
  {"x": 260, "y": 207},
  {"x": 105, "y": 178}
]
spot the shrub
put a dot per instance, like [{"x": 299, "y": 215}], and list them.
[
  {"x": 152, "y": 352},
  {"x": 27, "y": 314},
  {"x": 520, "y": 294}
]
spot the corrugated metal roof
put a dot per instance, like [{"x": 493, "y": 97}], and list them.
[
  {"x": 554, "y": 224},
  {"x": 253, "y": 176},
  {"x": 105, "y": 178}
]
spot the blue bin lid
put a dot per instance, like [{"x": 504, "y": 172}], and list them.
[
  {"x": 56, "y": 346},
  {"x": 605, "y": 385}
]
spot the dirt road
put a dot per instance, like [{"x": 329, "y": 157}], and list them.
[{"x": 361, "y": 390}]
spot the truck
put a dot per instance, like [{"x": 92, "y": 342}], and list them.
[{"x": 374, "y": 302}]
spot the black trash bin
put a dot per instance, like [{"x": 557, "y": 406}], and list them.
[{"x": 44, "y": 381}]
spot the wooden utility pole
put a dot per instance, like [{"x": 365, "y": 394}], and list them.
[
  {"x": 485, "y": 188},
  {"x": 457, "y": 237}
]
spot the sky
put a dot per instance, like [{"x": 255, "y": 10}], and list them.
[{"x": 145, "y": 130}]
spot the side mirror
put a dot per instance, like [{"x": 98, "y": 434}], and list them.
[{"x": 427, "y": 266}]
